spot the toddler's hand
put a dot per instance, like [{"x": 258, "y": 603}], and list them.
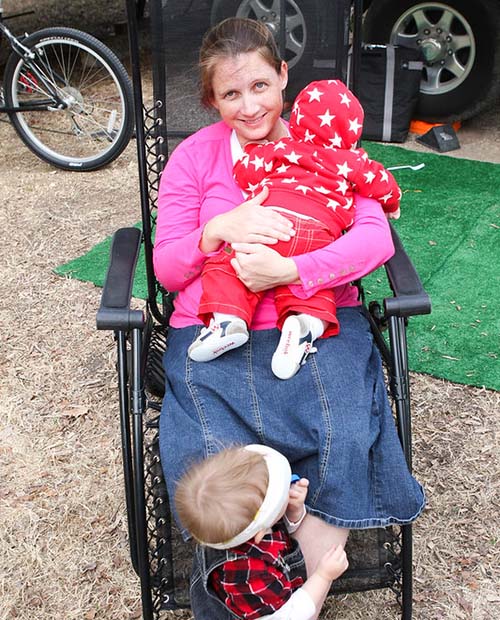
[
  {"x": 296, "y": 499},
  {"x": 333, "y": 563}
]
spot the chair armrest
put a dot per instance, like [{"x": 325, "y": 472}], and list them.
[
  {"x": 410, "y": 297},
  {"x": 115, "y": 312}
]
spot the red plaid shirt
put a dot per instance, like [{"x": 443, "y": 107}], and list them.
[{"x": 255, "y": 584}]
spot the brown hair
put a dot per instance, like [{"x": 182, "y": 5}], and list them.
[
  {"x": 229, "y": 38},
  {"x": 219, "y": 497}
]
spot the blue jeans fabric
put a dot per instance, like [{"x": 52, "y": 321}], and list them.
[
  {"x": 332, "y": 420},
  {"x": 205, "y": 604}
]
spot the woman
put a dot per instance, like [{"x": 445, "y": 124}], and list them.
[{"x": 332, "y": 420}]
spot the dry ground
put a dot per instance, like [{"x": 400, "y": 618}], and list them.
[{"x": 63, "y": 539}]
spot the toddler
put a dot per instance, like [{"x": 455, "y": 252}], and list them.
[{"x": 243, "y": 511}]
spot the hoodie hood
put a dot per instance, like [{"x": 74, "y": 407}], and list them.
[{"x": 326, "y": 113}]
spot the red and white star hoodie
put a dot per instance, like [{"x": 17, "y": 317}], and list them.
[{"x": 317, "y": 169}]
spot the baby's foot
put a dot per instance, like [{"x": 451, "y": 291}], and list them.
[
  {"x": 218, "y": 338},
  {"x": 293, "y": 348}
]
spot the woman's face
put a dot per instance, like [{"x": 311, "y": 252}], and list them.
[{"x": 248, "y": 96}]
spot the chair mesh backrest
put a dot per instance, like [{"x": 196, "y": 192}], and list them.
[{"x": 169, "y": 94}]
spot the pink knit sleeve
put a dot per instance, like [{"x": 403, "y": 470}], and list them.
[
  {"x": 177, "y": 258},
  {"x": 366, "y": 246}
]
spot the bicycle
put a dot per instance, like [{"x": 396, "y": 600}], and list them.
[{"x": 68, "y": 97}]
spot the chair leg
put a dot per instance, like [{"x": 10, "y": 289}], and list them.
[
  {"x": 137, "y": 406},
  {"x": 407, "y": 572},
  {"x": 128, "y": 472},
  {"x": 400, "y": 386},
  {"x": 400, "y": 383}
]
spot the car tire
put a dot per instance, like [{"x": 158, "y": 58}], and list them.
[
  {"x": 301, "y": 31},
  {"x": 457, "y": 83}
]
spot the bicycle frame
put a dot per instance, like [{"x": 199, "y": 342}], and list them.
[{"x": 21, "y": 50}]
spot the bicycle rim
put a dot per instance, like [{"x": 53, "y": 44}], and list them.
[{"x": 94, "y": 123}]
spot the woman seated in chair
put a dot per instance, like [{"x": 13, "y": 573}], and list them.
[{"x": 332, "y": 420}]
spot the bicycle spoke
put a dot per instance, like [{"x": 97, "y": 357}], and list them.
[
  {"x": 27, "y": 80},
  {"x": 47, "y": 75},
  {"x": 104, "y": 78}
]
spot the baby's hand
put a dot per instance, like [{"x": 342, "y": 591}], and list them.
[
  {"x": 394, "y": 215},
  {"x": 296, "y": 499},
  {"x": 333, "y": 563}
]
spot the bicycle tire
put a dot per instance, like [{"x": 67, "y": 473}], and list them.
[{"x": 95, "y": 123}]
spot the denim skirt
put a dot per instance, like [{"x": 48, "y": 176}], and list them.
[{"x": 332, "y": 420}]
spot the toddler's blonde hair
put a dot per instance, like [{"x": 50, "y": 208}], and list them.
[{"x": 218, "y": 498}]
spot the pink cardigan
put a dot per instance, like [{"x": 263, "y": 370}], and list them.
[{"x": 198, "y": 184}]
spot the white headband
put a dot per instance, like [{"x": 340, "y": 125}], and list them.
[{"x": 280, "y": 476}]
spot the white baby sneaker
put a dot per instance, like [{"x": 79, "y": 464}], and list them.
[
  {"x": 218, "y": 338},
  {"x": 295, "y": 344}
]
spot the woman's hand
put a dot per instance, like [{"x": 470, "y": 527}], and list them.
[
  {"x": 260, "y": 267},
  {"x": 247, "y": 223}
]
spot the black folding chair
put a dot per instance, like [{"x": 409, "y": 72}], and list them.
[{"x": 379, "y": 558}]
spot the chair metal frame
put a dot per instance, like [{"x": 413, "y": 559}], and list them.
[{"x": 157, "y": 555}]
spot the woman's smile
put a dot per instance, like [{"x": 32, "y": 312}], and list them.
[{"x": 253, "y": 121}]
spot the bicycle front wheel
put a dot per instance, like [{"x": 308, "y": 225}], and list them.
[{"x": 73, "y": 99}]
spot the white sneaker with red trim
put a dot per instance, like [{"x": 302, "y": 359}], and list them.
[
  {"x": 218, "y": 338},
  {"x": 295, "y": 344}
]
